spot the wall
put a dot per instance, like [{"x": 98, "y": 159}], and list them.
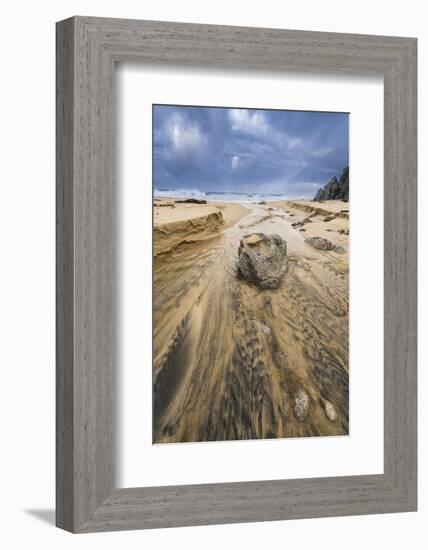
[{"x": 27, "y": 270}]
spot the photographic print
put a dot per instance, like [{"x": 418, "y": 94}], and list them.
[{"x": 250, "y": 274}]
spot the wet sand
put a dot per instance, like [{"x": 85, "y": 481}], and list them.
[{"x": 232, "y": 361}]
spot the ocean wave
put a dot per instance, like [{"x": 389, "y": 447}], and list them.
[
  {"x": 179, "y": 193},
  {"x": 226, "y": 196}
]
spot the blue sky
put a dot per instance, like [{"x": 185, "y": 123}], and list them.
[{"x": 292, "y": 153}]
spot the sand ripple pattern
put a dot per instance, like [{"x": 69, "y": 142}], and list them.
[{"x": 230, "y": 360}]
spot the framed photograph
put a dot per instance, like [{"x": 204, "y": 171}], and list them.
[
  {"x": 252, "y": 313},
  {"x": 236, "y": 274}
]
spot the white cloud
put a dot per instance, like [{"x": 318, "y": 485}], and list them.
[
  {"x": 235, "y": 162},
  {"x": 247, "y": 121},
  {"x": 293, "y": 142},
  {"x": 322, "y": 152},
  {"x": 185, "y": 137},
  {"x": 255, "y": 123}
]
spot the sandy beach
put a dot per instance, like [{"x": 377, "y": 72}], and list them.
[{"x": 233, "y": 361}]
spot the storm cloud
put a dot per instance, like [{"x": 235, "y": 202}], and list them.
[{"x": 291, "y": 153}]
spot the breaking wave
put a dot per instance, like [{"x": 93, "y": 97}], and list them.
[{"x": 227, "y": 196}]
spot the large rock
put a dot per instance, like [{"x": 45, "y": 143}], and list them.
[
  {"x": 263, "y": 259},
  {"x": 335, "y": 189},
  {"x": 320, "y": 243}
]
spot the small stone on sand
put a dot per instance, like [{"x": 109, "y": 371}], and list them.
[
  {"x": 320, "y": 243},
  {"x": 301, "y": 405},
  {"x": 330, "y": 411}
]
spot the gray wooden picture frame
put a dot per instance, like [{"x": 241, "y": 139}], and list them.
[{"x": 87, "y": 50}]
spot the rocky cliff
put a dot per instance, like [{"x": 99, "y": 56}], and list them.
[{"x": 335, "y": 189}]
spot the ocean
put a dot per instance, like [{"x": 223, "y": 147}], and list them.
[{"x": 226, "y": 196}]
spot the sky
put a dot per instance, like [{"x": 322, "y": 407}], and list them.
[{"x": 292, "y": 153}]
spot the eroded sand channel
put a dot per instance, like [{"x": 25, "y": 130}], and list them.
[{"x": 232, "y": 361}]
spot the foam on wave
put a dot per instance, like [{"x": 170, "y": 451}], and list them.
[{"x": 226, "y": 196}]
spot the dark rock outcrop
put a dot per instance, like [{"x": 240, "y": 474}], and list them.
[
  {"x": 191, "y": 201},
  {"x": 335, "y": 189},
  {"x": 263, "y": 259}
]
